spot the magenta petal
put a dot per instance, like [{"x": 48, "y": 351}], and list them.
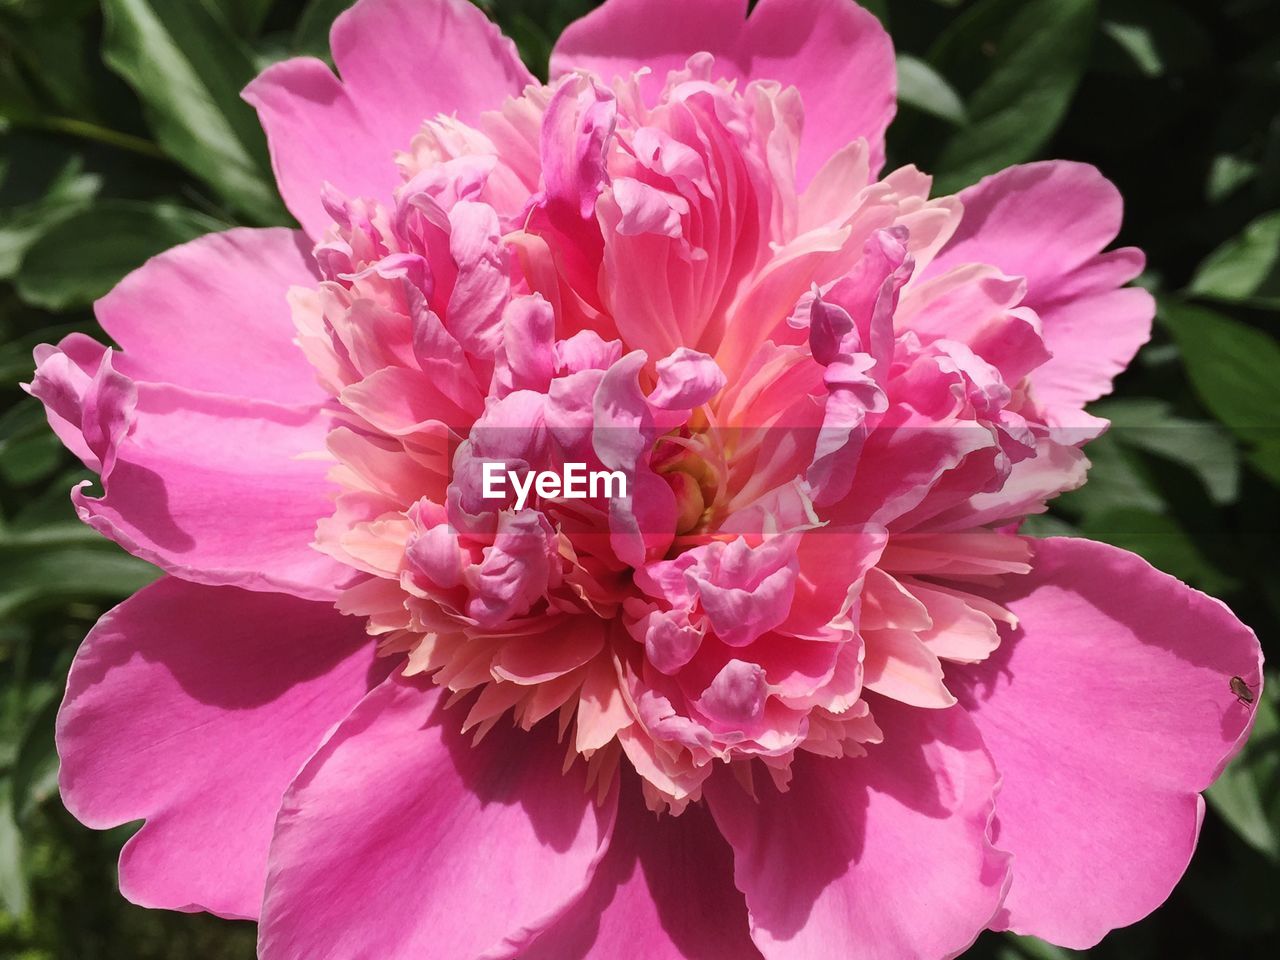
[
  {"x": 846, "y": 862},
  {"x": 1107, "y": 712},
  {"x": 833, "y": 51},
  {"x": 399, "y": 838},
  {"x": 193, "y": 707},
  {"x": 220, "y": 491},
  {"x": 301, "y": 106},
  {"x": 213, "y": 315},
  {"x": 664, "y": 892},
  {"x": 214, "y": 489},
  {"x": 1049, "y": 222},
  {"x": 402, "y": 62}
]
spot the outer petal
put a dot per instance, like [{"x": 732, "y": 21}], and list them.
[
  {"x": 664, "y": 892},
  {"x": 833, "y": 51},
  {"x": 213, "y": 315},
  {"x": 193, "y": 707},
  {"x": 402, "y": 62},
  {"x": 214, "y": 489},
  {"x": 401, "y": 839},
  {"x": 220, "y": 492},
  {"x": 1107, "y": 712},
  {"x": 1049, "y": 222},
  {"x": 882, "y": 856}
]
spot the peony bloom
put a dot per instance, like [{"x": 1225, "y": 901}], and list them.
[{"x": 802, "y": 691}]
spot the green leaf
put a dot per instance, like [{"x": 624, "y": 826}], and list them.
[
  {"x": 1245, "y": 269},
  {"x": 188, "y": 69},
  {"x": 1160, "y": 541},
  {"x": 47, "y": 9},
  {"x": 1201, "y": 446},
  {"x": 63, "y": 40},
  {"x": 44, "y": 577},
  {"x": 1136, "y": 41},
  {"x": 34, "y": 777},
  {"x": 1047, "y": 525},
  {"x": 311, "y": 36},
  {"x": 1118, "y": 479},
  {"x": 70, "y": 192},
  {"x": 1031, "y": 948},
  {"x": 1233, "y": 367},
  {"x": 1265, "y": 458},
  {"x": 83, "y": 256},
  {"x": 16, "y": 363},
  {"x": 1245, "y": 795},
  {"x": 531, "y": 40},
  {"x": 1228, "y": 174},
  {"x": 922, "y": 87},
  {"x": 46, "y": 516},
  {"x": 30, "y": 459},
  {"x": 1036, "y": 65},
  {"x": 1150, "y": 38},
  {"x": 245, "y": 17},
  {"x": 13, "y": 880},
  {"x": 879, "y": 7}
]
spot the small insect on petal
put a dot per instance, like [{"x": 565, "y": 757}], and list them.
[{"x": 1242, "y": 690}]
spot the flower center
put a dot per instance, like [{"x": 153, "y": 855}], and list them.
[{"x": 695, "y": 470}]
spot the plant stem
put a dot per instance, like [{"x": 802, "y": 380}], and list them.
[{"x": 91, "y": 131}]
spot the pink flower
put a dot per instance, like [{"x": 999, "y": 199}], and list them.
[{"x": 874, "y": 719}]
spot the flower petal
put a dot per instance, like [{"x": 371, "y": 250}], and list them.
[
  {"x": 663, "y": 892},
  {"x": 833, "y": 51},
  {"x": 402, "y": 62},
  {"x": 1049, "y": 222},
  {"x": 192, "y": 707},
  {"x": 842, "y": 863},
  {"x": 1107, "y": 712},
  {"x": 214, "y": 489},
  {"x": 213, "y": 315},
  {"x": 219, "y": 492},
  {"x": 399, "y": 836}
]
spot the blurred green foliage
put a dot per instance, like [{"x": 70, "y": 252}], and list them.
[{"x": 122, "y": 133}]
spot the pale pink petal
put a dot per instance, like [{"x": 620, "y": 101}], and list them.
[
  {"x": 213, "y": 315},
  {"x": 564, "y": 645},
  {"x": 664, "y": 892},
  {"x": 193, "y": 707},
  {"x": 399, "y": 837},
  {"x": 832, "y": 562},
  {"x": 401, "y": 401},
  {"x": 833, "y": 51},
  {"x": 402, "y": 62},
  {"x": 1049, "y": 222},
  {"x": 900, "y": 665},
  {"x": 1107, "y": 712},
  {"x": 845, "y": 863}
]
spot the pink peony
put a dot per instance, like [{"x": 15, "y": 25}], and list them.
[{"x": 802, "y": 692}]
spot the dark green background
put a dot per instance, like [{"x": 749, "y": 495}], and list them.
[{"x": 121, "y": 134}]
